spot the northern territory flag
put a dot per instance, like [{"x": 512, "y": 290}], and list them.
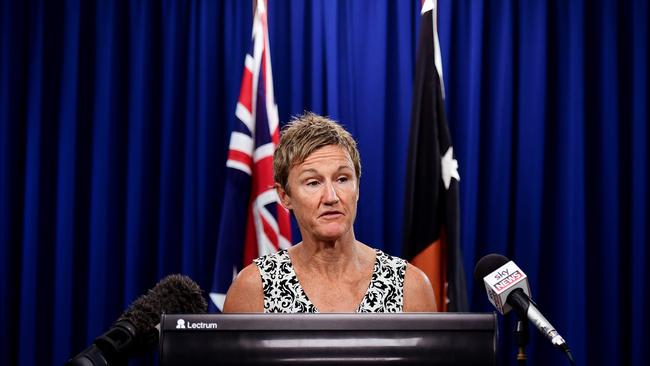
[{"x": 431, "y": 226}]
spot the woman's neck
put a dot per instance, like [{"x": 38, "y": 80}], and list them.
[{"x": 330, "y": 259}]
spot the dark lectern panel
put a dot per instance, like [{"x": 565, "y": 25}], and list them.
[{"x": 328, "y": 339}]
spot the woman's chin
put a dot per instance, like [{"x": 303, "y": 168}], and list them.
[{"x": 332, "y": 233}]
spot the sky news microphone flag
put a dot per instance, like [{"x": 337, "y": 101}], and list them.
[
  {"x": 431, "y": 211},
  {"x": 253, "y": 223}
]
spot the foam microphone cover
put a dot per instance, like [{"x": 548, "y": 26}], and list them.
[
  {"x": 174, "y": 294},
  {"x": 487, "y": 265}
]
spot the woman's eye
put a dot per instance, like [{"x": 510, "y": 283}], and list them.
[
  {"x": 312, "y": 183},
  {"x": 343, "y": 179}
]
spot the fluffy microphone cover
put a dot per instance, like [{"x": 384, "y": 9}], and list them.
[
  {"x": 487, "y": 265},
  {"x": 174, "y": 294}
]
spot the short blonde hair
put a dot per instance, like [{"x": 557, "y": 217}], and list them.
[{"x": 305, "y": 134}]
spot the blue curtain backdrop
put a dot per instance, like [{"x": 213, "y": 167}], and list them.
[{"x": 114, "y": 122}]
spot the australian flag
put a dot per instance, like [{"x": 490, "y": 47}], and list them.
[{"x": 253, "y": 223}]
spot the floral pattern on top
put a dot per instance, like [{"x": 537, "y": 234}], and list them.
[{"x": 283, "y": 293}]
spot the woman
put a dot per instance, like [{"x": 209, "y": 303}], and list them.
[{"x": 316, "y": 172}]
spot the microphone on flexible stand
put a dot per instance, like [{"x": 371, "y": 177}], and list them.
[
  {"x": 136, "y": 330},
  {"x": 507, "y": 288}
]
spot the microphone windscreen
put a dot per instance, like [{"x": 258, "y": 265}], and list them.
[
  {"x": 487, "y": 265},
  {"x": 174, "y": 294}
]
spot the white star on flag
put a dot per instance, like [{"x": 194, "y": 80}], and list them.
[{"x": 449, "y": 167}]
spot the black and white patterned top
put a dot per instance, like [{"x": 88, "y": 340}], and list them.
[{"x": 283, "y": 293}]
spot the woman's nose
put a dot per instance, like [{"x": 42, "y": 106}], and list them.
[{"x": 330, "y": 194}]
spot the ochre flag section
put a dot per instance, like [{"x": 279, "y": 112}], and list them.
[
  {"x": 432, "y": 261},
  {"x": 431, "y": 216}
]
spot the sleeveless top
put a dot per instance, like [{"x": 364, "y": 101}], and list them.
[{"x": 283, "y": 293}]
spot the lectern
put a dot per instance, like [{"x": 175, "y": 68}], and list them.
[{"x": 329, "y": 339}]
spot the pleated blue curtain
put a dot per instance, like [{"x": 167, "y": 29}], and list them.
[
  {"x": 547, "y": 102},
  {"x": 114, "y": 128},
  {"x": 115, "y": 120}
]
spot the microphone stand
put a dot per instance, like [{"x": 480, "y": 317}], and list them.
[{"x": 521, "y": 337}]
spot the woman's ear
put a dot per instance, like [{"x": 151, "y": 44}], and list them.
[
  {"x": 285, "y": 200},
  {"x": 358, "y": 191}
]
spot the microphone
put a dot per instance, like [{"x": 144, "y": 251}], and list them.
[
  {"x": 507, "y": 288},
  {"x": 136, "y": 330}
]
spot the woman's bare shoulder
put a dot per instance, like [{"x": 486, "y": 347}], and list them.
[
  {"x": 245, "y": 294},
  {"x": 418, "y": 293}
]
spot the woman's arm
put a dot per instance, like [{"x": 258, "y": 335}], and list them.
[
  {"x": 245, "y": 294},
  {"x": 418, "y": 293}
]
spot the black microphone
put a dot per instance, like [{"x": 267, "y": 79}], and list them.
[
  {"x": 136, "y": 330},
  {"x": 507, "y": 288}
]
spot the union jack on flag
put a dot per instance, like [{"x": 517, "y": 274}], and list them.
[{"x": 253, "y": 223}]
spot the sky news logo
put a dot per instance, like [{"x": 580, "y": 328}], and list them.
[
  {"x": 183, "y": 324},
  {"x": 508, "y": 281}
]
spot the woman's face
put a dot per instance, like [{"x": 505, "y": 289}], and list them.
[{"x": 324, "y": 194}]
